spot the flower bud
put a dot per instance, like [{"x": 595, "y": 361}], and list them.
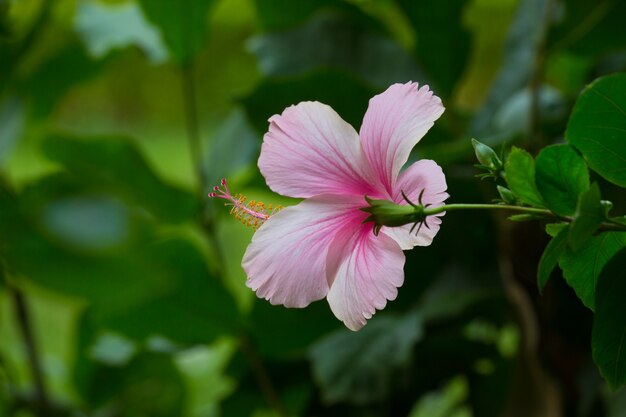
[
  {"x": 506, "y": 195},
  {"x": 487, "y": 156}
]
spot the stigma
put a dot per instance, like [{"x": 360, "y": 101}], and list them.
[{"x": 251, "y": 213}]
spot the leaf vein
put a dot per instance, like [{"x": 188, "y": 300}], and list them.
[
  {"x": 610, "y": 101},
  {"x": 619, "y": 129},
  {"x": 595, "y": 261},
  {"x": 605, "y": 148}
]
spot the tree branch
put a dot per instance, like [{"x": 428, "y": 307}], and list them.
[
  {"x": 262, "y": 377},
  {"x": 24, "y": 322}
]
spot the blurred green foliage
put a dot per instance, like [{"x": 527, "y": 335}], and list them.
[{"x": 117, "y": 117}]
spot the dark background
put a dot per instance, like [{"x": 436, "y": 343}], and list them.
[{"x": 121, "y": 291}]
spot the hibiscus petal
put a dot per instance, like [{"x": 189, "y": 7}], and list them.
[
  {"x": 369, "y": 275},
  {"x": 310, "y": 150},
  {"x": 286, "y": 260},
  {"x": 394, "y": 122},
  {"x": 408, "y": 240},
  {"x": 424, "y": 175}
]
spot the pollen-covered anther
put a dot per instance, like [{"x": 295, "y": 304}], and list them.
[{"x": 251, "y": 213}]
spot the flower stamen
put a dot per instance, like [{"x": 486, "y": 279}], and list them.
[{"x": 251, "y": 213}]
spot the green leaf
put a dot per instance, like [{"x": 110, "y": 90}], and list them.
[
  {"x": 447, "y": 402},
  {"x": 550, "y": 257},
  {"x": 608, "y": 340},
  {"x": 3, "y": 280},
  {"x": 182, "y": 23},
  {"x": 553, "y": 229},
  {"x": 115, "y": 164},
  {"x": 280, "y": 332},
  {"x": 197, "y": 299},
  {"x": 450, "y": 295},
  {"x": 590, "y": 213},
  {"x": 79, "y": 218},
  {"x": 443, "y": 54},
  {"x": 235, "y": 138},
  {"x": 54, "y": 77},
  {"x": 334, "y": 41},
  {"x": 279, "y": 14},
  {"x": 203, "y": 368},
  {"x": 88, "y": 223},
  {"x": 272, "y": 96},
  {"x": 234, "y": 239},
  {"x": 582, "y": 268},
  {"x": 47, "y": 219},
  {"x": 597, "y": 127},
  {"x": 132, "y": 278},
  {"x": 357, "y": 367},
  {"x": 112, "y": 349},
  {"x": 9, "y": 215},
  {"x": 5, "y": 26},
  {"x": 520, "y": 176},
  {"x": 150, "y": 385},
  {"x": 12, "y": 122},
  {"x": 105, "y": 27},
  {"x": 561, "y": 178}
]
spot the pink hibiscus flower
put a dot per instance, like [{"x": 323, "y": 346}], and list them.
[{"x": 322, "y": 247}]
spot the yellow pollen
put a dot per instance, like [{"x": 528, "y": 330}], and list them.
[{"x": 251, "y": 213}]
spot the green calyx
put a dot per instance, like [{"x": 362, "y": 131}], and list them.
[{"x": 390, "y": 214}]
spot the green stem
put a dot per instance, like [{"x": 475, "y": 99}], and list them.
[
  {"x": 453, "y": 207},
  {"x": 606, "y": 226},
  {"x": 390, "y": 214},
  {"x": 262, "y": 377},
  {"x": 23, "y": 320},
  {"x": 24, "y": 323},
  {"x": 190, "y": 104}
]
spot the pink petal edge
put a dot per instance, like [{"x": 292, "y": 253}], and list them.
[
  {"x": 309, "y": 150},
  {"x": 394, "y": 122},
  {"x": 369, "y": 274}
]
